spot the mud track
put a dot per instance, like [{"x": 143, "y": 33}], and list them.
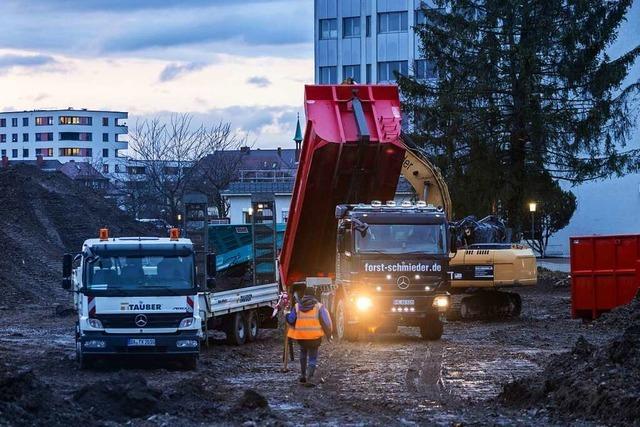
[{"x": 387, "y": 380}]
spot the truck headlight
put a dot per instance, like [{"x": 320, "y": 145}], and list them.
[
  {"x": 363, "y": 303},
  {"x": 95, "y": 323},
  {"x": 187, "y": 322},
  {"x": 441, "y": 301}
]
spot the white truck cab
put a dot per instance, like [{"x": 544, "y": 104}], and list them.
[{"x": 135, "y": 296}]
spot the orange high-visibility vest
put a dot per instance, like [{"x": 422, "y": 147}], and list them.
[{"x": 308, "y": 326}]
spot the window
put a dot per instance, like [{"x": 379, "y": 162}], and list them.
[
  {"x": 3, "y": 137},
  {"x": 328, "y": 75},
  {"x": 25, "y": 121},
  {"x": 14, "y": 122},
  {"x": 350, "y": 27},
  {"x": 421, "y": 18},
  {"x": 352, "y": 71},
  {"x": 387, "y": 70},
  {"x": 75, "y": 152},
  {"x": 171, "y": 170},
  {"x": 3, "y": 123},
  {"x": 25, "y": 152},
  {"x": 368, "y": 73},
  {"x": 25, "y": 137},
  {"x": 88, "y": 152},
  {"x": 425, "y": 69},
  {"x": 105, "y": 121},
  {"x": 105, "y": 152},
  {"x": 246, "y": 216},
  {"x": 105, "y": 168},
  {"x": 368, "y": 26},
  {"x": 75, "y": 136},
  {"x": 44, "y": 121},
  {"x": 328, "y": 29},
  {"x": 44, "y": 136},
  {"x": 44, "y": 152},
  {"x": 116, "y": 168},
  {"x": 135, "y": 170},
  {"x": 3, "y": 153},
  {"x": 75, "y": 120},
  {"x": 285, "y": 215},
  {"x": 105, "y": 137},
  {"x": 392, "y": 22},
  {"x": 14, "y": 137},
  {"x": 14, "y": 153}
]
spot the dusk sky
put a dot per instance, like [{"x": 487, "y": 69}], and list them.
[{"x": 241, "y": 61}]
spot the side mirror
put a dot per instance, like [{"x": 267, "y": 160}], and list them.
[
  {"x": 67, "y": 266},
  {"x": 453, "y": 240},
  {"x": 211, "y": 266},
  {"x": 66, "y": 284}
]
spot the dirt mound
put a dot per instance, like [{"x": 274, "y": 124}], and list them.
[
  {"x": 622, "y": 316},
  {"x": 552, "y": 279},
  {"x": 42, "y": 216},
  {"x": 253, "y": 409},
  {"x": 25, "y": 400},
  {"x": 594, "y": 382},
  {"x": 128, "y": 396}
]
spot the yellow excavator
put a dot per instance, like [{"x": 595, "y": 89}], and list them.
[{"x": 480, "y": 273}]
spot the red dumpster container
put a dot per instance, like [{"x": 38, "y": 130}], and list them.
[{"x": 603, "y": 273}]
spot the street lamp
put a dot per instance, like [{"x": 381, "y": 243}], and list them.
[{"x": 532, "y": 209}]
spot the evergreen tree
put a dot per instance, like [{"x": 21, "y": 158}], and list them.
[{"x": 525, "y": 91}]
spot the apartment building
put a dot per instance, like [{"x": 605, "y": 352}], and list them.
[
  {"x": 368, "y": 40},
  {"x": 82, "y": 135}
]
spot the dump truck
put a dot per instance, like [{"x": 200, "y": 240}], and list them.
[
  {"x": 374, "y": 264},
  {"x": 141, "y": 297}
]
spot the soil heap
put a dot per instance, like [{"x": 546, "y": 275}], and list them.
[
  {"x": 42, "y": 216},
  {"x": 600, "y": 383}
]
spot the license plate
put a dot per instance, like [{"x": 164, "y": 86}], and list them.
[
  {"x": 141, "y": 342},
  {"x": 403, "y": 302}
]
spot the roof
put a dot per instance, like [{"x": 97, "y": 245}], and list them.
[
  {"x": 248, "y": 188},
  {"x": 65, "y": 110},
  {"x": 81, "y": 171},
  {"x": 255, "y": 159},
  {"x": 135, "y": 242},
  {"x": 298, "y": 136},
  {"x": 46, "y": 165}
]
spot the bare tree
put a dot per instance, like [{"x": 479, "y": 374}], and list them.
[{"x": 170, "y": 151}]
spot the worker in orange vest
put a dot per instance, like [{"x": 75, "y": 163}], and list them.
[{"x": 308, "y": 322}]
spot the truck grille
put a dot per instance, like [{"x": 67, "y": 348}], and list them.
[{"x": 157, "y": 320}]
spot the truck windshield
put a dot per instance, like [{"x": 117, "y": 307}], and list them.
[
  {"x": 117, "y": 272},
  {"x": 402, "y": 239}
]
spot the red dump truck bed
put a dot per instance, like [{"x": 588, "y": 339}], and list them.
[
  {"x": 604, "y": 273},
  {"x": 346, "y": 157}
]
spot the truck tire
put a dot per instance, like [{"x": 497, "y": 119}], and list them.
[
  {"x": 190, "y": 362},
  {"x": 236, "y": 329},
  {"x": 340, "y": 320},
  {"x": 432, "y": 328},
  {"x": 253, "y": 326}
]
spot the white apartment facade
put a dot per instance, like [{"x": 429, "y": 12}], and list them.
[
  {"x": 90, "y": 136},
  {"x": 368, "y": 40}
]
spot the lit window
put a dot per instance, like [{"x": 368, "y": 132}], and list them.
[
  {"x": 392, "y": 22},
  {"x": 328, "y": 29},
  {"x": 352, "y": 71},
  {"x": 328, "y": 75},
  {"x": 75, "y": 120},
  {"x": 351, "y": 27},
  {"x": 44, "y": 121},
  {"x": 387, "y": 70}
]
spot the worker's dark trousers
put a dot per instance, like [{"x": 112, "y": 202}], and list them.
[{"x": 308, "y": 350}]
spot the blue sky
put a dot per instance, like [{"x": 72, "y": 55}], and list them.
[{"x": 240, "y": 61}]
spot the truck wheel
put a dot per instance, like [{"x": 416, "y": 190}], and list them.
[
  {"x": 236, "y": 329},
  {"x": 340, "y": 320},
  {"x": 190, "y": 363},
  {"x": 253, "y": 328},
  {"x": 432, "y": 328}
]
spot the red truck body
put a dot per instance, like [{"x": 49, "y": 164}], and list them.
[
  {"x": 604, "y": 273},
  {"x": 339, "y": 165}
]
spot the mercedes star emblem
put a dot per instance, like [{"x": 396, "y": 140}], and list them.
[
  {"x": 403, "y": 282},
  {"x": 141, "y": 320}
]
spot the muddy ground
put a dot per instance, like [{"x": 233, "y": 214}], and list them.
[{"x": 389, "y": 379}]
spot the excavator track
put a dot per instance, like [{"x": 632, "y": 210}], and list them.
[{"x": 485, "y": 305}]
